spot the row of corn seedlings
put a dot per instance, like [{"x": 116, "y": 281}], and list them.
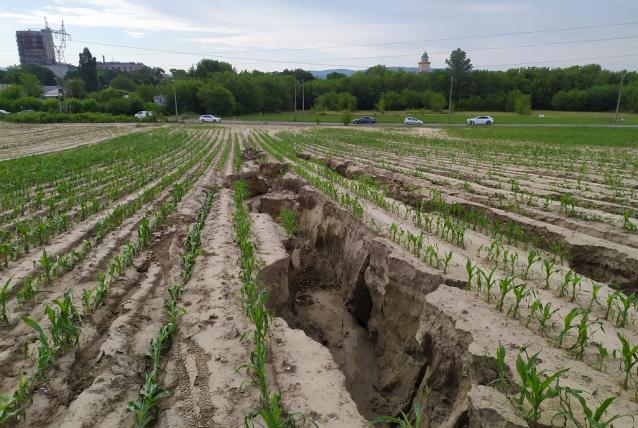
[
  {"x": 13, "y": 404},
  {"x": 37, "y": 230},
  {"x": 255, "y": 298},
  {"x": 144, "y": 410},
  {"x": 577, "y": 322},
  {"x": 45, "y": 180},
  {"x": 49, "y": 268},
  {"x": 524, "y": 196}
]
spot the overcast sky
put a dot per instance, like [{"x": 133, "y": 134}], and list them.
[{"x": 320, "y": 34}]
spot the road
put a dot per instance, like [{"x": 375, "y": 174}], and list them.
[{"x": 427, "y": 125}]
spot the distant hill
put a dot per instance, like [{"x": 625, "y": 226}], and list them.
[{"x": 322, "y": 74}]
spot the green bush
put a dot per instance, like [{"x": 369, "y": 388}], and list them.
[{"x": 56, "y": 117}]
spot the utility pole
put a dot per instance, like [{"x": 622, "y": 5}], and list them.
[
  {"x": 295, "y": 103},
  {"x": 449, "y": 104},
  {"x": 303, "y": 100},
  {"x": 622, "y": 78},
  {"x": 175, "y": 99}
]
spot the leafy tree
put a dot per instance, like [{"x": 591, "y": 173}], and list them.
[
  {"x": 299, "y": 74},
  {"x": 43, "y": 74},
  {"x": 30, "y": 85},
  {"x": 459, "y": 66},
  {"x": 216, "y": 99},
  {"x": 434, "y": 101},
  {"x": 523, "y": 104},
  {"x": 335, "y": 76},
  {"x": 334, "y": 101},
  {"x": 88, "y": 70},
  {"x": 122, "y": 81},
  {"x": 206, "y": 67},
  {"x": 74, "y": 88}
]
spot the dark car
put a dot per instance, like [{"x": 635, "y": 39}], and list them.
[{"x": 364, "y": 120}]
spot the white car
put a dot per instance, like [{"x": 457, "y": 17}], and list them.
[
  {"x": 412, "y": 121},
  {"x": 210, "y": 118},
  {"x": 480, "y": 120},
  {"x": 144, "y": 114},
  {"x": 4, "y": 112}
]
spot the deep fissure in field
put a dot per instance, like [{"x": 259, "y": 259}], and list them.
[
  {"x": 344, "y": 292},
  {"x": 339, "y": 324}
]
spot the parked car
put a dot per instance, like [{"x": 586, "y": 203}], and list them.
[
  {"x": 412, "y": 121},
  {"x": 480, "y": 120},
  {"x": 210, "y": 118},
  {"x": 4, "y": 112},
  {"x": 364, "y": 120},
  {"x": 144, "y": 114}
]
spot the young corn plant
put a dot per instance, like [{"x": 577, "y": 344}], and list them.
[
  {"x": 548, "y": 266},
  {"x": 288, "y": 220},
  {"x": 532, "y": 257},
  {"x": 535, "y": 386},
  {"x": 625, "y": 304},
  {"x": 505, "y": 285},
  {"x": 471, "y": 271},
  {"x": 521, "y": 292},
  {"x": 4, "y": 298},
  {"x": 568, "y": 325},
  {"x": 587, "y": 417},
  {"x": 489, "y": 284},
  {"x": 545, "y": 317},
  {"x": 628, "y": 356},
  {"x": 583, "y": 333}
]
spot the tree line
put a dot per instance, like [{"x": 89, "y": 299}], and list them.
[{"x": 216, "y": 87}]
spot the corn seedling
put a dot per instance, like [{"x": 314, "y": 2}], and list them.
[
  {"x": 568, "y": 325},
  {"x": 489, "y": 283},
  {"x": 592, "y": 417},
  {"x": 602, "y": 354},
  {"x": 288, "y": 220},
  {"x": 520, "y": 292},
  {"x": 583, "y": 334},
  {"x": 628, "y": 356},
  {"x": 548, "y": 266},
  {"x": 505, "y": 285},
  {"x": 4, "y": 298},
  {"x": 545, "y": 316},
  {"x": 535, "y": 386},
  {"x": 626, "y": 303},
  {"x": 26, "y": 292},
  {"x": 532, "y": 257}
]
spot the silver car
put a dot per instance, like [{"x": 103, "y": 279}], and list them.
[
  {"x": 412, "y": 121},
  {"x": 210, "y": 118},
  {"x": 480, "y": 120}
]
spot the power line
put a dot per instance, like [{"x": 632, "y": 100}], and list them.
[
  {"x": 263, "y": 60},
  {"x": 560, "y": 60},
  {"x": 547, "y": 30}
]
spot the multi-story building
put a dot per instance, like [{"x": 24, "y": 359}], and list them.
[
  {"x": 120, "y": 66},
  {"x": 36, "y": 47}
]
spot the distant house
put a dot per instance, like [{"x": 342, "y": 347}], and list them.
[{"x": 49, "y": 92}]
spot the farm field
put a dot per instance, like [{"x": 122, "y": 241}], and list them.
[
  {"x": 255, "y": 276},
  {"x": 22, "y": 140}
]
